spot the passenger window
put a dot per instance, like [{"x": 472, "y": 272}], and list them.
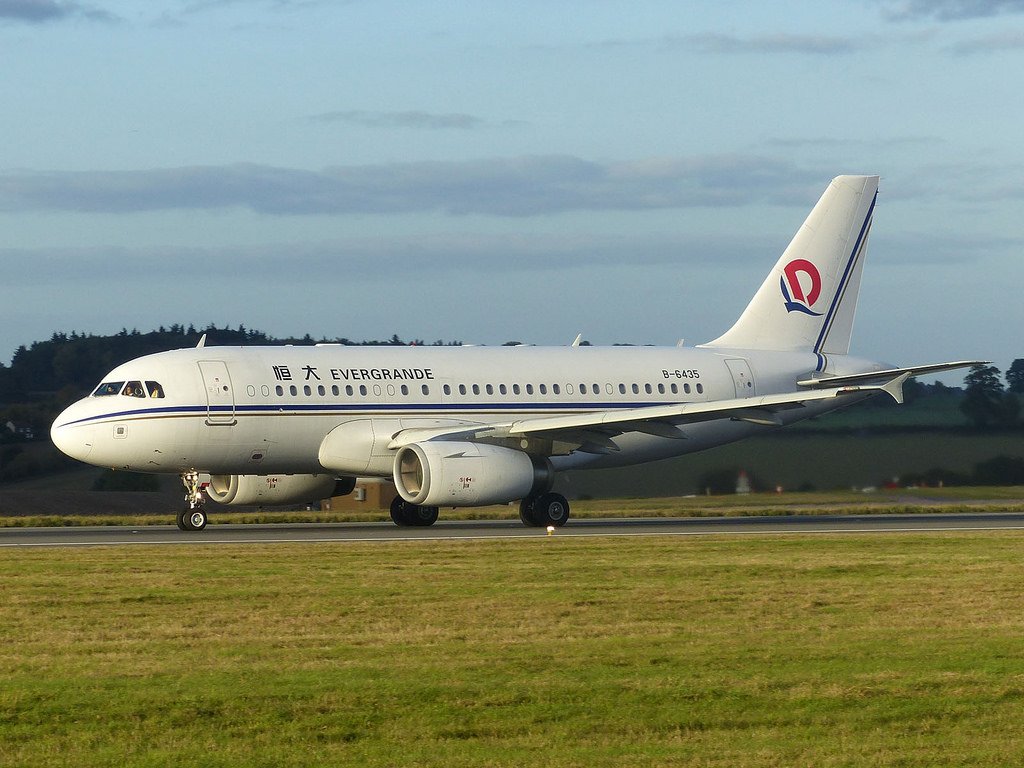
[
  {"x": 155, "y": 390},
  {"x": 476, "y": 389},
  {"x": 425, "y": 389},
  {"x": 622, "y": 389},
  {"x": 447, "y": 389},
  {"x": 543, "y": 389},
  {"x": 686, "y": 388},
  {"x": 293, "y": 389},
  {"x": 489, "y": 389},
  {"x": 555, "y": 389},
  {"x": 280, "y": 390},
  {"x": 647, "y": 388},
  {"x": 597, "y": 390},
  {"x": 321, "y": 391},
  {"x": 348, "y": 390},
  {"x": 636, "y": 390},
  {"x": 700, "y": 389},
  {"x": 529, "y": 389},
  {"x": 307, "y": 391},
  {"x": 334, "y": 390},
  {"x": 661, "y": 389},
  {"x": 515, "y": 389},
  {"x": 462, "y": 389},
  {"x": 362, "y": 390},
  {"x": 503, "y": 389},
  {"x": 405, "y": 389}
]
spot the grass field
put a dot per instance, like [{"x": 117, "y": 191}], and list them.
[{"x": 889, "y": 650}]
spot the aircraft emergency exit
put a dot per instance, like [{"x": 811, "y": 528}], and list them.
[{"x": 469, "y": 426}]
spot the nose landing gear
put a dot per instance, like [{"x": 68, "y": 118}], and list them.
[{"x": 193, "y": 517}]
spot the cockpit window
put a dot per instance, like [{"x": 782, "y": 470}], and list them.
[
  {"x": 108, "y": 388},
  {"x": 134, "y": 389},
  {"x": 129, "y": 389}
]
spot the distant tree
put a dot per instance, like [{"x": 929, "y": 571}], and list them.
[
  {"x": 1000, "y": 470},
  {"x": 985, "y": 402},
  {"x": 1015, "y": 376}
]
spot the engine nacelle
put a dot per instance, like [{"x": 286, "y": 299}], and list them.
[
  {"x": 454, "y": 474},
  {"x": 276, "y": 489}
]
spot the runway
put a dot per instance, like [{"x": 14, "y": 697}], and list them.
[{"x": 505, "y": 529}]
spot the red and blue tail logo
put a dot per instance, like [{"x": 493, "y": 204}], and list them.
[{"x": 798, "y": 299}]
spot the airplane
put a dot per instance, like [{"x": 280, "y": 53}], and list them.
[{"x": 472, "y": 426}]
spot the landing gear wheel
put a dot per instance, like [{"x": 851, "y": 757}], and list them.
[
  {"x": 406, "y": 514},
  {"x": 528, "y": 513},
  {"x": 424, "y": 516},
  {"x": 544, "y": 510},
  {"x": 193, "y": 517}
]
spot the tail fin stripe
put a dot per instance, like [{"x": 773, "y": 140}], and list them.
[{"x": 851, "y": 262}]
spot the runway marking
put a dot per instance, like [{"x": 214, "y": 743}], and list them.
[{"x": 513, "y": 535}]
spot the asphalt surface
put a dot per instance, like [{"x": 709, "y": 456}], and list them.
[{"x": 499, "y": 529}]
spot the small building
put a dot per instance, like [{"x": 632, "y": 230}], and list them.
[{"x": 370, "y": 493}]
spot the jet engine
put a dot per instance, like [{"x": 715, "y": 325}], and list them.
[
  {"x": 276, "y": 489},
  {"x": 459, "y": 474}
]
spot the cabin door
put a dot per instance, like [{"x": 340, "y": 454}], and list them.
[
  {"x": 742, "y": 379},
  {"x": 220, "y": 397}
]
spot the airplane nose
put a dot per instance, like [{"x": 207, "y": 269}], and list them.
[{"x": 75, "y": 440}]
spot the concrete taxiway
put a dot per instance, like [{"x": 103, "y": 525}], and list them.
[{"x": 500, "y": 529}]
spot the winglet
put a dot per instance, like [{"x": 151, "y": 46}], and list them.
[
  {"x": 202, "y": 342},
  {"x": 579, "y": 338}
]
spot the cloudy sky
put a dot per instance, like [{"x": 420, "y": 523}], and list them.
[{"x": 494, "y": 171}]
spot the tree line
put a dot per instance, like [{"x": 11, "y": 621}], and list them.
[{"x": 987, "y": 401}]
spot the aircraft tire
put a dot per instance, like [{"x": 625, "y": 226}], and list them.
[
  {"x": 182, "y": 520},
  {"x": 195, "y": 519},
  {"x": 551, "y": 509},
  {"x": 423, "y": 516},
  {"x": 528, "y": 513},
  {"x": 402, "y": 512}
]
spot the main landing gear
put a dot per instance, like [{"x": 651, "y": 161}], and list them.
[
  {"x": 544, "y": 510},
  {"x": 193, "y": 517},
  {"x": 405, "y": 514}
]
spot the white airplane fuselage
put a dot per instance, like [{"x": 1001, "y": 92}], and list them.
[{"x": 260, "y": 410}]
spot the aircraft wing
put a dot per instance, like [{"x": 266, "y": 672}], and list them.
[
  {"x": 912, "y": 371},
  {"x": 593, "y": 431}
]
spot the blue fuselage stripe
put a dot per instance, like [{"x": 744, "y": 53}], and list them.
[{"x": 329, "y": 409}]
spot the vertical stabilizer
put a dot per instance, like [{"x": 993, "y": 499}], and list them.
[{"x": 808, "y": 301}]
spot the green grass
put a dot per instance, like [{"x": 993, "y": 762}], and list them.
[{"x": 763, "y": 651}]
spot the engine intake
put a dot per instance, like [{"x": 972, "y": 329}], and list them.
[{"x": 459, "y": 474}]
